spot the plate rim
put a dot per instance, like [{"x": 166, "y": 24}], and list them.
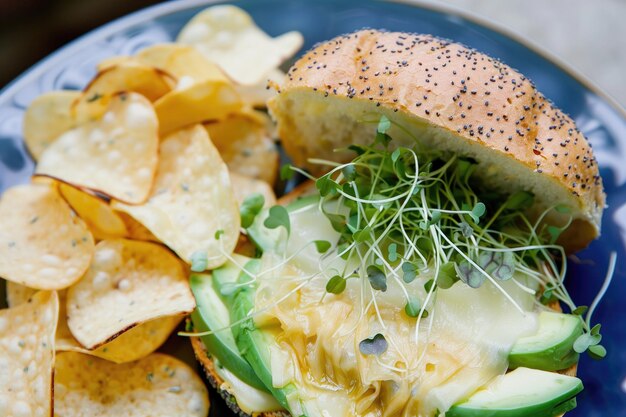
[
  {"x": 157, "y": 10},
  {"x": 33, "y": 72}
]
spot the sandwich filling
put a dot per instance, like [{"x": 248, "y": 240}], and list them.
[{"x": 401, "y": 286}]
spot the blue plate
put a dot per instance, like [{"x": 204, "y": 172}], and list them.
[{"x": 601, "y": 120}]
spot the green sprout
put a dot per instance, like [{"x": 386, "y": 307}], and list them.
[
  {"x": 413, "y": 209},
  {"x": 410, "y": 212}
]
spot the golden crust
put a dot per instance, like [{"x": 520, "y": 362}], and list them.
[{"x": 470, "y": 95}]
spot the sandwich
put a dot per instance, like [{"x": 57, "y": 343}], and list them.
[{"x": 419, "y": 269}]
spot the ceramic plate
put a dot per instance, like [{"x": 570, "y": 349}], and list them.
[{"x": 602, "y": 121}]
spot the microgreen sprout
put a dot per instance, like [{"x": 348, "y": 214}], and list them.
[
  {"x": 322, "y": 246},
  {"x": 199, "y": 261},
  {"x": 251, "y": 206},
  {"x": 412, "y": 307},
  {"x": 412, "y": 209},
  {"x": 410, "y": 272},
  {"x": 500, "y": 265},
  {"x": 447, "y": 276},
  {"x": 415, "y": 214},
  {"x": 278, "y": 217},
  {"x": 394, "y": 193},
  {"x": 286, "y": 172},
  {"x": 336, "y": 285},
  {"x": 590, "y": 340},
  {"x": 377, "y": 278},
  {"x": 376, "y": 345}
]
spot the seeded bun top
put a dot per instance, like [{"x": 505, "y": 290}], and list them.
[{"x": 449, "y": 97}]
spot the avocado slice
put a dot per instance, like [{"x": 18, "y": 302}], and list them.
[
  {"x": 226, "y": 276},
  {"x": 270, "y": 239},
  {"x": 523, "y": 392},
  {"x": 212, "y": 313},
  {"x": 551, "y": 348},
  {"x": 254, "y": 343}
]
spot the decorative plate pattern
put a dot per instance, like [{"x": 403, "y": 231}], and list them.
[{"x": 602, "y": 121}]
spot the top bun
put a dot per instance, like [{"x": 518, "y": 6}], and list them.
[{"x": 449, "y": 97}]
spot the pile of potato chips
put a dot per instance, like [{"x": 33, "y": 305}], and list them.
[{"x": 137, "y": 176}]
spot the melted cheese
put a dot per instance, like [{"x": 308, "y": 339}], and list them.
[
  {"x": 461, "y": 346},
  {"x": 306, "y": 228}
]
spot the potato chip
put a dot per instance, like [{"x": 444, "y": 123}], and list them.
[
  {"x": 184, "y": 62},
  {"x": 128, "y": 283},
  {"x": 46, "y": 118},
  {"x": 192, "y": 208},
  {"x": 203, "y": 91},
  {"x": 115, "y": 155},
  {"x": 245, "y": 147},
  {"x": 27, "y": 356},
  {"x": 245, "y": 186},
  {"x": 18, "y": 294},
  {"x": 195, "y": 103},
  {"x": 64, "y": 340},
  {"x": 137, "y": 343},
  {"x": 257, "y": 95},
  {"x": 228, "y": 36},
  {"x": 126, "y": 76},
  {"x": 136, "y": 230},
  {"x": 101, "y": 219},
  {"x": 156, "y": 386},
  {"x": 43, "y": 244},
  {"x": 134, "y": 344}
]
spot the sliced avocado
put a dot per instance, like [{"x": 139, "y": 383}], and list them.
[
  {"x": 564, "y": 407},
  {"x": 227, "y": 275},
  {"x": 551, "y": 348},
  {"x": 270, "y": 239},
  {"x": 523, "y": 392},
  {"x": 254, "y": 343},
  {"x": 212, "y": 314}
]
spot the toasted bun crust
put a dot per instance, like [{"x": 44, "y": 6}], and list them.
[{"x": 449, "y": 97}]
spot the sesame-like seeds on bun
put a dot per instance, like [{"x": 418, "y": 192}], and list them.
[{"x": 449, "y": 97}]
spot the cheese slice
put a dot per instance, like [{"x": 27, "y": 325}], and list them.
[{"x": 461, "y": 346}]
